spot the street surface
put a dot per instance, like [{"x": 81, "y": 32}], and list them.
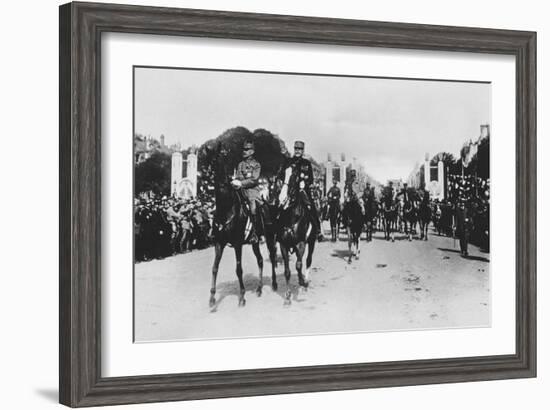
[{"x": 393, "y": 286}]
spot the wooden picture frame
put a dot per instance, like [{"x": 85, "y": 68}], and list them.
[{"x": 81, "y": 27}]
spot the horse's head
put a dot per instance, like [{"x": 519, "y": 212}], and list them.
[
  {"x": 273, "y": 191},
  {"x": 223, "y": 171}
]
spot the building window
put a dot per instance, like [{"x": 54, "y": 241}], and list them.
[{"x": 336, "y": 174}]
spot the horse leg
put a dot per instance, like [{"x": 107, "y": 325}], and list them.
[
  {"x": 273, "y": 258},
  {"x": 349, "y": 244},
  {"x": 310, "y": 249},
  {"x": 357, "y": 244},
  {"x": 426, "y": 228},
  {"x": 239, "y": 271},
  {"x": 288, "y": 293},
  {"x": 260, "y": 261},
  {"x": 300, "y": 250},
  {"x": 217, "y": 258}
]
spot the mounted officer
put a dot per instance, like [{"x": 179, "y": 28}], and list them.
[
  {"x": 352, "y": 189},
  {"x": 405, "y": 193},
  {"x": 247, "y": 179},
  {"x": 302, "y": 171},
  {"x": 368, "y": 193},
  {"x": 333, "y": 194},
  {"x": 388, "y": 193}
]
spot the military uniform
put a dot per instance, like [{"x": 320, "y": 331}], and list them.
[
  {"x": 367, "y": 193},
  {"x": 302, "y": 171},
  {"x": 464, "y": 225},
  {"x": 351, "y": 193},
  {"x": 388, "y": 193},
  {"x": 333, "y": 194},
  {"x": 406, "y": 194},
  {"x": 352, "y": 190},
  {"x": 302, "y": 175},
  {"x": 248, "y": 172}
]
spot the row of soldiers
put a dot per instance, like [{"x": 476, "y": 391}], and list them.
[
  {"x": 464, "y": 214},
  {"x": 166, "y": 226},
  {"x": 169, "y": 226}
]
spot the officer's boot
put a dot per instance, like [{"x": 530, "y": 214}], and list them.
[{"x": 254, "y": 220}]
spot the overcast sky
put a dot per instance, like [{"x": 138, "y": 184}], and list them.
[{"x": 387, "y": 124}]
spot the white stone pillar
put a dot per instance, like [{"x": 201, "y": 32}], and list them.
[
  {"x": 177, "y": 171},
  {"x": 328, "y": 179},
  {"x": 192, "y": 172},
  {"x": 441, "y": 179},
  {"x": 427, "y": 171}
]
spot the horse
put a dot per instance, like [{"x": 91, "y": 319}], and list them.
[
  {"x": 334, "y": 218},
  {"x": 390, "y": 217},
  {"x": 400, "y": 220},
  {"x": 231, "y": 219},
  {"x": 410, "y": 217},
  {"x": 294, "y": 230},
  {"x": 371, "y": 212},
  {"x": 424, "y": 217},
  {"x": 353, "y": 220}
]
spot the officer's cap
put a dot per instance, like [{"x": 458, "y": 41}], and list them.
[
  {"x": 299, "y": 144},
  {"x": 248, "y": 145}
]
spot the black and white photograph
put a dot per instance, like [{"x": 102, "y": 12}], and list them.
[{"x": 282, "y": 204}]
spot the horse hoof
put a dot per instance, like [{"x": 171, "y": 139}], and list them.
[
  {"x": 242, "y": 302},
  {"x": 259, "y": 291},
  {"x": 304, "y": 284},
  {"x": 287, "y": 302},
  {"x": 349, "y": 261},
  {"x": 274, "y": 286},
  {"x": 212, "y": 301}
]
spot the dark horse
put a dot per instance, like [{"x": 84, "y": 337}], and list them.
[
  {"x": 371, "y": 212},
  {"x": 389, "y": 210},
  {"x": 410, "y": 217},
  {"x": 334, "y": 218},
  {"x": 424, "y": 216},
  {"x": 294, "y": 230},
  {"x": 353, "y": 220},
  {"x": 230, "y": 222}
]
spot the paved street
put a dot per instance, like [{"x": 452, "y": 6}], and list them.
[{"x": 393, "y": 286}]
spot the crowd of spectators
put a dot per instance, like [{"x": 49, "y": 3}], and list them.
[{"x": 165, "y": 226}]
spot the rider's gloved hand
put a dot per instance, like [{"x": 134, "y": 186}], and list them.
[
  {"x": 302, "y": 184},
  {"x": 236, "y": 183}
]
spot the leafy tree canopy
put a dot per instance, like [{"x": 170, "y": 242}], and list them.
[
  {"x": 153, "y": 174},
  {"x": 270, "y": 150}
]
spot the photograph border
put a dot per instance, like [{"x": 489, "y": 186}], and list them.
[{"x": 81, "y": 26}]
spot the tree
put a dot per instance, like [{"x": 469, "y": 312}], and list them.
[
  {"x": 153, "y": 174},
  {"x": 446, "y": 157},
  {"x": 480, "y": 165},
  {"x": 269, "y": 150}
]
